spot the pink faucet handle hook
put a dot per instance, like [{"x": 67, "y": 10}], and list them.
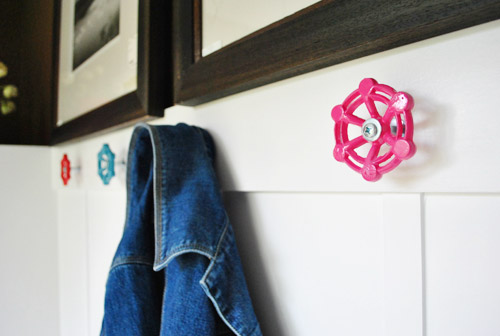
[{"x": 393, "y": 128}]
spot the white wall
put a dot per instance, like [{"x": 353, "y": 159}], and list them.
[
  {"x": 324, "y": 251},
  {"x": 28, "y": 243}
]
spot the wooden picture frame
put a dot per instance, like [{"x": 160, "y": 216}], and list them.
[
  {"x": 154, "y": 81},
  {"x": 324, "y": 34}
]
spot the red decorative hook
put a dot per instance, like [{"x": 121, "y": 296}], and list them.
[{"x": 65, "y": 169}]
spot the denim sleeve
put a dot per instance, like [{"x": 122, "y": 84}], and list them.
[{"x": 133, "y": 300}]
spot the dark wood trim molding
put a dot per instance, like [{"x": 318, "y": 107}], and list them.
[
  {"x": 197, "y": 27},
  {"x": 154, "y": 78},
  {"x": 324, "y": 34}
]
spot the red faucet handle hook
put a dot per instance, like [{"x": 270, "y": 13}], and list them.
[{"x": 65, "y": 169}]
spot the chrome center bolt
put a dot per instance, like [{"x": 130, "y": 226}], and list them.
[{"x": 371, "y": 129}]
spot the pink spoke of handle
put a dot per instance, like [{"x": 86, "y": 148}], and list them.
[
  {"x": 352, "y": 119},
  {"x": 373, "y": 153},
  {"x": 355, "y": 143},
  {"x": 372, "y": 109}
]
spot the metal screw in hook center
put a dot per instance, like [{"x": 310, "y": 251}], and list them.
[{"x": 371, "y": 129}]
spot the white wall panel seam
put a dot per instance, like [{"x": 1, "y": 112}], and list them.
[
  {"x": 424, "y": 283},
  {"x": 402, "y": 264},
  {"x": 88, "y": 273}
]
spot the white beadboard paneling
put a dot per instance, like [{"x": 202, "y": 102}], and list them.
[
  {"x": 106, "y": 218},
  {"x": 462, "y": 235},
  {"x": 24, "y": 167},
  {"x": 403, "y": 264},
  {"x": 349, "y": 264},
  {"x": 28, "y": 243},
  {"x": 73, "y": 263},
  {"x": 316, "y": 261}
]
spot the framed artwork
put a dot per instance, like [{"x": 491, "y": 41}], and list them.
[
  {"x": 323, "y": 34},
  {"x": 112, "y": 64}
]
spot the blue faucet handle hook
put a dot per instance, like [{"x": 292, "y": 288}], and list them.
[{"x": 106, "y": 164}]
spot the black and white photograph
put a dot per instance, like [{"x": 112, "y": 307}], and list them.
[{"x": 97, "y": 22}]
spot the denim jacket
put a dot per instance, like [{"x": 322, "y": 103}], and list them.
[{"x": 176, "y": 270}]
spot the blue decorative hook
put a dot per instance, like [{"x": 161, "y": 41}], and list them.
[{"x": 106, "y": 164}]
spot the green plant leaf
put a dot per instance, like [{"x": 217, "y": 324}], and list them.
[
  {"x": 3, "y": 70},
  {"x": 7, "y": 106}
]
